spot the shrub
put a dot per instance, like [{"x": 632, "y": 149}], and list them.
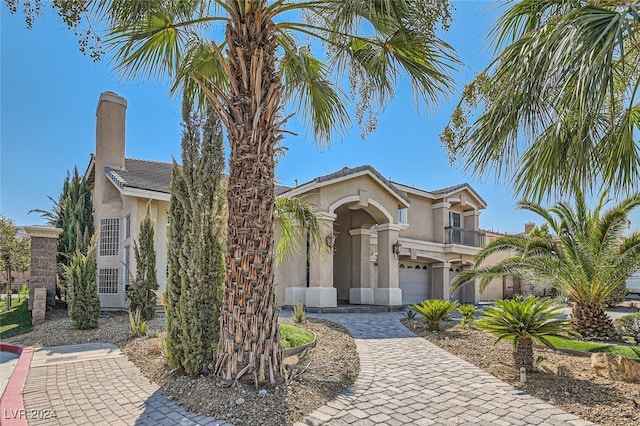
[
  {"x": 410, "y": 313},
  {"x": 617, "y": 295},
  {"x": 468, "y": 312},
  {"x": 298, "y": 313},
  {"x": 563, "y": 299},
  {"x": 137, "y": 325},
  {"x": 24, "y": 292},
  {"x": 82, "y": 292},
  {"x": 141, "y": 291},
  {"x": 628, "y": 325},
  {"x": 524, "y": 321},
  {"x": 434, "y": 311}
]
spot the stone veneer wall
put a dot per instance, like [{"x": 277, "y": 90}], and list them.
[{"x": 44, "y": 246}]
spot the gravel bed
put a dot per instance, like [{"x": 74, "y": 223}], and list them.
[
  {"x": 566, "y": 381},
  {"x": 318, "y": 375}
]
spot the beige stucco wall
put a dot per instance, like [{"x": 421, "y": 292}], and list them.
[
  {"x": 420, "y": 219},
  {"x": 290, "y": 271},
  {"x": 361, "y": 185}
]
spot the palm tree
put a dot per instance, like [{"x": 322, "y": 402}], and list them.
[
  {"x": 296, "y": 219},
  {"x": 587, "y": 258},
  {"x": 525, "y": 322},
  {"x": 256, "y": 57},
  {"x": 564, "y": 87}
]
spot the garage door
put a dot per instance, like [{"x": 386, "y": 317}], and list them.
[{"x": 414, "y": 282}]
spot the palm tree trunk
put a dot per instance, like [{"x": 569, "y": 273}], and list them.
[
  {"x": 590, "y": 320},
  {"x": 249, "y": 336},
  {"x": 523, "y": 355}
]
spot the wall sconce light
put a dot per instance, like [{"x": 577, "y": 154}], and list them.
[
  {"x": 395, "y": 248},
  {"x": 331, "y": 242}
]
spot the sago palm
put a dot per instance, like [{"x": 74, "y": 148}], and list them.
[
  {"x": 434, "y": 311},
  {"x": 563, "y": 87},
  {"x": 587, "y": 257},
  {"x": 525, "y": 322},
  {"x": 249, "y": 59}
]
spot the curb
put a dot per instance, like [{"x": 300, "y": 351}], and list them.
[
  {"x": 298, "y": 349},
  {"x": 12, "y": 410}
]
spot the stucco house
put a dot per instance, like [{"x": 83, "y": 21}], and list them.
[{"x": 386, "y": 243}]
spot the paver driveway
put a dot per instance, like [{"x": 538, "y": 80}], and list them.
[{"x": 404, "y": 380}]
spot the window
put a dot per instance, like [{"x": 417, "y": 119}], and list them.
[
  {"x": 109, "y": 236},
  {"x": 126, "y": 260},
  {"x": 127, "y": 226},
  {"x": 454, "y": 219},
  {"x": 108, "y": 281},
  {"x": 402, "y": 216},
  {"x": 455, "y": 236}
]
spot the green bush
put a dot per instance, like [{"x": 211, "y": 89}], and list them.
[
  {"x": 298, "y": 313},
  {"x": 292, "y": 336},
  {"x": 525, "y": 322},
  {"x": 468, "y": 312},
  {"x": 24, "y": 292},
  {"x": 628, "y": 325},
  {"x": 434, "y": 311},
  {"x": 617, "y": 295},
  {"x": 137, "y": 326},
  {"x": 141, "y": 291},
  {"x": 82, "y": 291}
]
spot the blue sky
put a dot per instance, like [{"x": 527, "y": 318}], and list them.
[{"x": 49, "y": 92}]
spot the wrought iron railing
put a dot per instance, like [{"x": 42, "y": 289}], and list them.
[{"x": 465, "y": 237}]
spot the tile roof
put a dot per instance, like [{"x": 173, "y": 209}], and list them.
[
  {"x": 142, "y": 174},
  {"x": 353, "y": 170},
  {"x": 454, "y": 188},
  {"x": 150, "y": 175}
]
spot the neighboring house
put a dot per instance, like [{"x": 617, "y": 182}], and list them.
[{"x": 386, "y": 243}]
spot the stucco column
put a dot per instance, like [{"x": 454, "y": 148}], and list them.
[
  {"x": 440, "y": 221},
  {"x": 361, "y": 292},
  {"x": 44, "y": 247},
  {"x": 321, "y": 292},
  {"x": 388, "y": 292},
  {"x": 440, "y": 288},
  {"x": 469, "y": 293}
]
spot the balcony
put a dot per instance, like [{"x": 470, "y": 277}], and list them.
[{"x": 465, "y": 237}]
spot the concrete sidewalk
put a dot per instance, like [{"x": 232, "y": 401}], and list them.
[{"x": 403, "y": 380}]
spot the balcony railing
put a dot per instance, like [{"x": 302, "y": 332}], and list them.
[{"x": 465, "y": 237}]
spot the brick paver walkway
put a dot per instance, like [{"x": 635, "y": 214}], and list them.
[
  {"x": 95, "y": 384},
  {"x": 404, "y": 380}
]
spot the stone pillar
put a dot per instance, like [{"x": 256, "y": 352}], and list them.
[
  {"x": 44, "y": 247},
  {"x": 321, "y": 292},
  {"x": 361, "y": 292},
  {"x": 388, "y": 292},
  {"x": 440, "y": 287},
  {"x": 38, "y": 303}
]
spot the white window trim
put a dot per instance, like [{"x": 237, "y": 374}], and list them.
[{"x": 108, "y": 273}]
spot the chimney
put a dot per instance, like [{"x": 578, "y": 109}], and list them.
[
  {"x": 110, "y": 130},
  {"x": 528, "y": 227},
  {"x": 110, "y": 127}
]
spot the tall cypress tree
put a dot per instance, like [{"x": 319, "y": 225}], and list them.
[
  {"x": 73, "y": 213},
  {"x": 141, "y": 291},
  {"x": 196, "y": 244}
]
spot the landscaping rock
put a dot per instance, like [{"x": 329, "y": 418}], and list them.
[{"x": 615, "y": 367}]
